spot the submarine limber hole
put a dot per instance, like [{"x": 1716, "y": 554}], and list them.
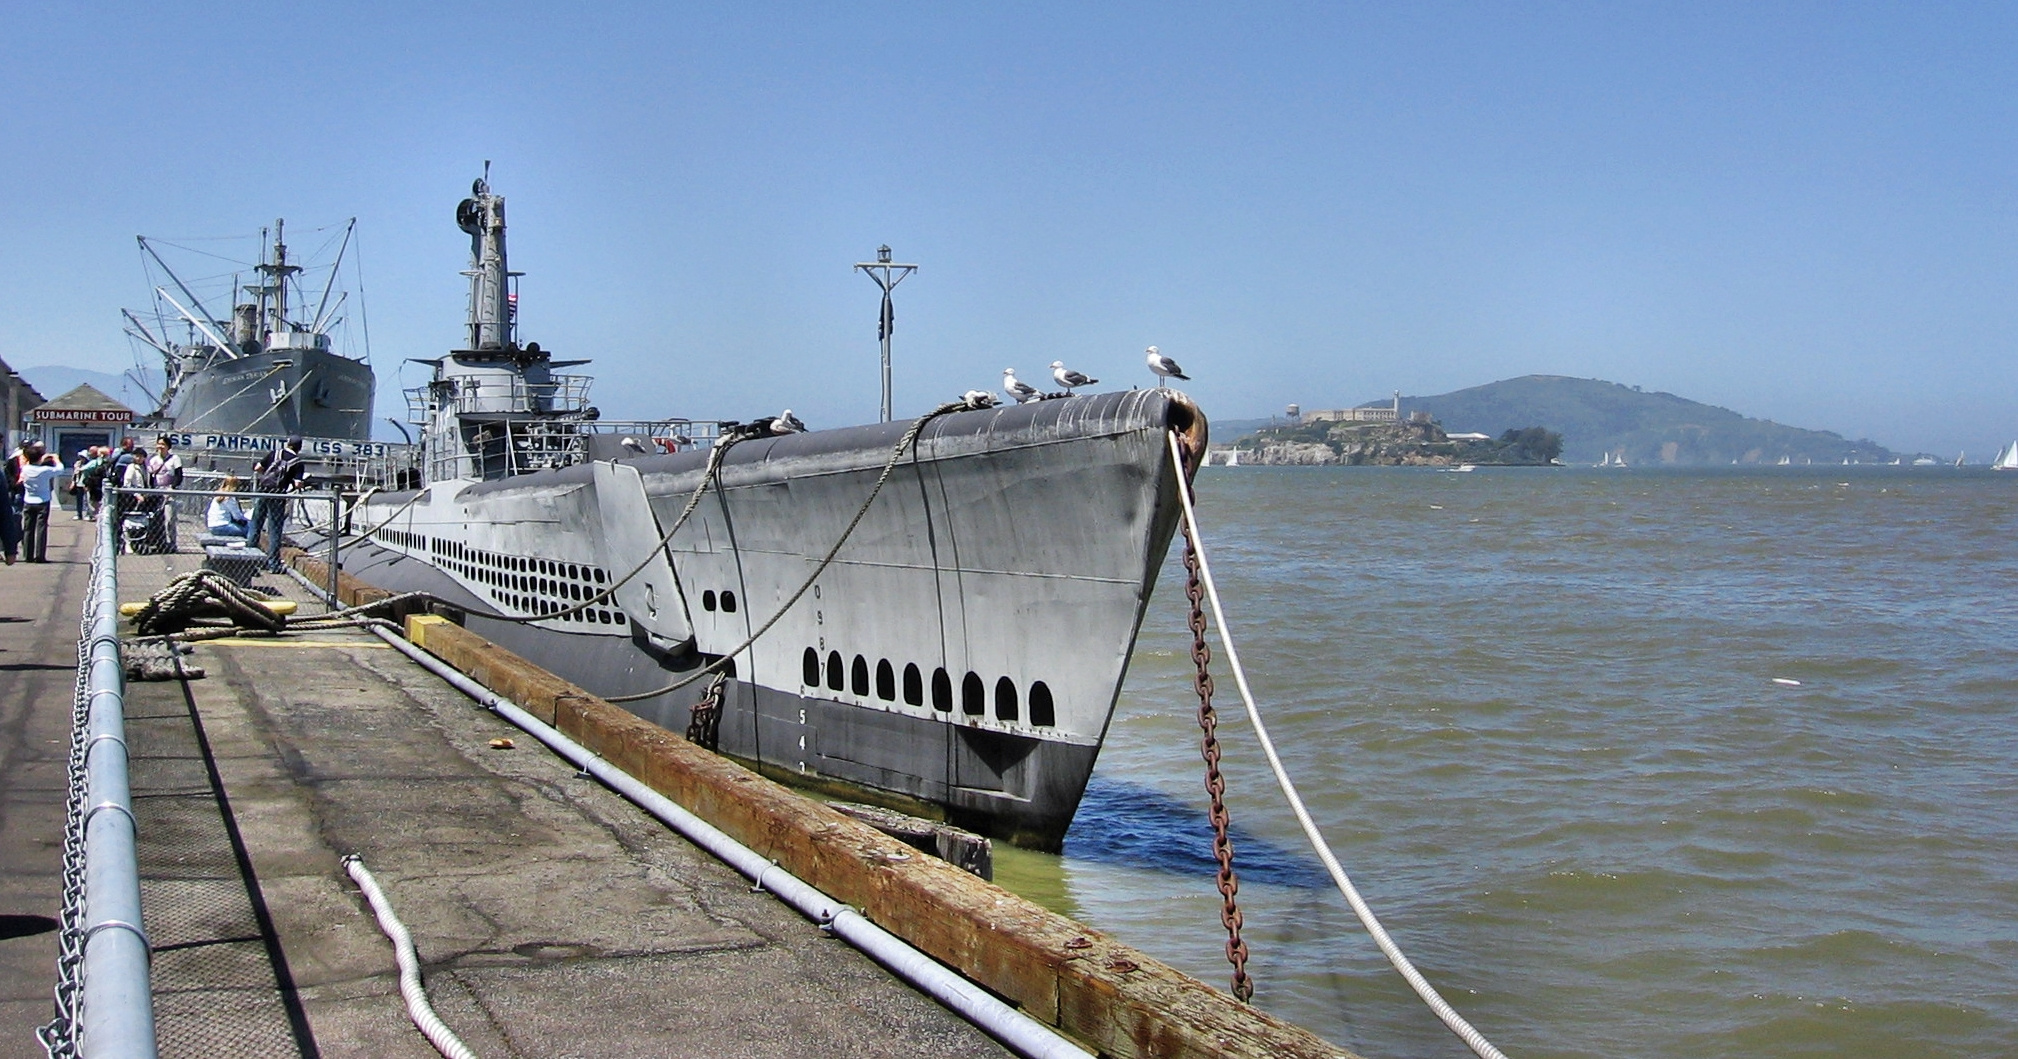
[
  {"x": 836, "y": 680},
  {"x": 973, "y": 695},
  {"x": 708, "y": 603},
  {"x": 1043, "y": 713},
  {"x": 810, "y": 669},
  {"x": 729, "y": 602},
  {"x": 914, "y": 685},
  {"x": 886, "y": 681},
  {"x": 942, "y": 691},
  {"x": 1005, "y": 699},
  {"x": 858, "y": 677}
]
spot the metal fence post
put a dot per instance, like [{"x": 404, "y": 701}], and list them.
[{"x": 335, "y": 536}]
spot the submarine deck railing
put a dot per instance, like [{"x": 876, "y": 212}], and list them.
[
  {"x": 104, "y": 1000},
  {"x": 505, "y": 446}
]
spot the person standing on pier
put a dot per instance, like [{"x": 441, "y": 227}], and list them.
[
  {"x": 276, "y": 473},
  {"x": 10, "y": 518},
  {"x": 93, "y": 476},
  {"x": 38, "y": 498}
]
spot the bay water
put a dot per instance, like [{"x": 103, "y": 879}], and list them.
[{"x": 1630, "y": 762}]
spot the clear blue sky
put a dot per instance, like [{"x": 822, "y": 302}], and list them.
[{"x": 1803, "y": 212}]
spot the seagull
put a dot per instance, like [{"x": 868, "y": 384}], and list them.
[
  {"x": 1017, "y": 388},
  {"x": 787, "y": 423},
  {"x": 1068, "y": 378},
  {"x": 1164, "y": 367},
  {"x": 978, "y": 399}
]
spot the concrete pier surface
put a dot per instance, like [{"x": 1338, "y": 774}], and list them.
[{"x": 553, "y": 918}]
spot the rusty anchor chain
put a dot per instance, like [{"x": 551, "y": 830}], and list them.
[
  {"x": 1215, "y": 784},
  {"x": 704, "y": 721}
]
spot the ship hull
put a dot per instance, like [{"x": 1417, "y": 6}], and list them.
[
  {"x": 960, "y": 656},
  {"x": 280, "y": 392}
]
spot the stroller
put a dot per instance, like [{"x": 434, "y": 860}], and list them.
[{"x": 148, "y": 527}]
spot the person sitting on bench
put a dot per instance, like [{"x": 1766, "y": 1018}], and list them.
[{"x": 225, "y": 518}]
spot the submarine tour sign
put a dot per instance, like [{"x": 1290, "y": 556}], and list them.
[{"x": 327, "y": 448}]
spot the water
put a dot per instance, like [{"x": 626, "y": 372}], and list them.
[{"x": 1535, "y": 712}]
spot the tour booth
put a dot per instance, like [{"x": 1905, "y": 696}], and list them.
[{"x": 81, "y": 418}]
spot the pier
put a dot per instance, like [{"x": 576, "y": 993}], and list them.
[{"x": 551, "y": 915}]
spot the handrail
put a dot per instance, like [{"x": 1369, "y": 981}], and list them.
[{"x": 104, "y": 998}]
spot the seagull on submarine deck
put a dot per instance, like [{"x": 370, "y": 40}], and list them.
[
  {"x": 787, "y": 423},
  {"x": 1164, "y": 367},
  {"x": 1068, "y": 378},
  {"x": 1016, "y": 388}
]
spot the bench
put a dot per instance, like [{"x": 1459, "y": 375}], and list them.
[{"x": 229, "y": 556}]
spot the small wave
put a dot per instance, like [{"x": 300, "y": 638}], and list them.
[
  {"x": 1853, "y": 1029},
  {"x": 1844, "y": 948},
  {"x": 1582, "y": 890}
]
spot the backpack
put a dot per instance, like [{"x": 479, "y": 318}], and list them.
[{"x": 273, "y": 472}]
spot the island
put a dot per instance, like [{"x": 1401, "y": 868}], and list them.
[{"x": 1418, "y": 441}]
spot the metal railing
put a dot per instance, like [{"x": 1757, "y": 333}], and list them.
[
  {"x": 476, "y": 395},
  {"x": 508, "y": 447},
  {"x": 104, "y": 1002}
]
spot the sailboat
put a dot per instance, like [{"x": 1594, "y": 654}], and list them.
[
  {"x": 1785, "y": 461},
  {"x": 2007, "y": 458}
]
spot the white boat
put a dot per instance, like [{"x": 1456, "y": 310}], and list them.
[
  {"x": 2007, "y": 458},
  {"x": 1785, "y": 461}
]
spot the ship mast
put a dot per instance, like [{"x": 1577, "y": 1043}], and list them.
[
  {"x": 490, "y": 317},
  {"x": 886, "y": 275},
  {"x": 275, "y": 287}
]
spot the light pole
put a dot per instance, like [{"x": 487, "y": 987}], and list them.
[{"x": 887, "y": 276}]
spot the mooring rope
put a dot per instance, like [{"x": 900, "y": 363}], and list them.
[
  {"x": 1444, "y": 1011},
  {"x": 201, "y": 593}
]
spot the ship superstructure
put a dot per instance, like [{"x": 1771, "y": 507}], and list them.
[
  {"x": 960, "y": 654},
  {"x": 268, "y": 367}
]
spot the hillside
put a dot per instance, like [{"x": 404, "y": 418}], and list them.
[
  {"x": 1596, "y": 417},
  {"x": 56, "y": 381}
]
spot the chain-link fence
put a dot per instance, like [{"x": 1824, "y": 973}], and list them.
[{"x": 238, "y": 533}]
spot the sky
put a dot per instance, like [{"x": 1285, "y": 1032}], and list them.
[{"x": 1804, "y": 212}]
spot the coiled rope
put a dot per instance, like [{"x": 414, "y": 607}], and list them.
[
  {"x": 1444, "y": 1011},
  {"x": 417, "y": 1006},
  {"x": 827, "y": 560},
  {"x": 203, "y": 593}
]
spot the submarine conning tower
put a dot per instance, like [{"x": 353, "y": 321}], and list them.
[{"x": 496, "y": 408}]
